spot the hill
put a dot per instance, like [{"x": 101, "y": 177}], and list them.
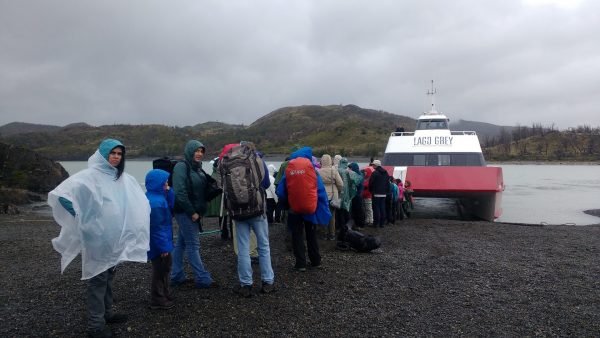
[
  {"x": 581, "y": 144},
  {"x": 15, "y": 128},
  {"x": 335, "y": 129},
  {"x": 485, "y": 131},
  {"x": 348, "y": 130}
]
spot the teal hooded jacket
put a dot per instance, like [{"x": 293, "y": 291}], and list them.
[{"x": 190, "y": 191}]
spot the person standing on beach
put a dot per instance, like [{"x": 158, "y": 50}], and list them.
[
  {"x": 271, "y": 196},
  {"x": 379, "y": 187},
  {"x": 367, "y": 196},
  {"x": 104, "y": 215},
  {"x": 301, "y": 224},
  {"x": 356, "y": 209},
  {"x": 245, "y": 178},
  {"x": 190, "y": 184},
  {"x": 161, "y": 200},
  {"x": 333, "y": 184}
]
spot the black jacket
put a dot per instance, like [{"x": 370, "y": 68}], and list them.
[{"x": 379, "y": 183}]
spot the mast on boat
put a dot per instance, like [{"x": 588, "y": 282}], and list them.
[{"x": 432, "y": 93}]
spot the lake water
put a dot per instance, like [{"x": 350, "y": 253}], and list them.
[{"x": 534, "y": 194}]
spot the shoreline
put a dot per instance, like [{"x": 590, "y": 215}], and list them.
[{"x": 431, "y": 277}]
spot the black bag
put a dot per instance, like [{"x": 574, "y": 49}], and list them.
[
  {"x": 361, "y": 242},
  {"x": 166, "y": 164},
  {"x": 212, "y": 189}
]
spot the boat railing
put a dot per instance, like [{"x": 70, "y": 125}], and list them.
[{"x": 452, "y": 132}]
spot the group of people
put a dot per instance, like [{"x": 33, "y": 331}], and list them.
[
  {"x": 107, "y": 218},
  {"x": 370, "y": 197}
]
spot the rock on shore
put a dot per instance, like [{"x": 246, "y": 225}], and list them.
[
  {"x": 593, "y": 212},
  {"x": 26, "y": 177},
  {"x": 430, "y": 278}
]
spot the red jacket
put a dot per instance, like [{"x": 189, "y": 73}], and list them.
[{"x": 366, "y": 192}]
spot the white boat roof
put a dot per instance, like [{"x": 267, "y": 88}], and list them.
[{"x": 433, "y": 115}]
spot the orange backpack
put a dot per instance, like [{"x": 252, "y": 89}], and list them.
[{"x": 301, "y": 183}]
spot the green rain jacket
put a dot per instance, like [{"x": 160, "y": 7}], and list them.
[
  {"x": 190, "y": 191},
  {"x": 351, "y": 182}
]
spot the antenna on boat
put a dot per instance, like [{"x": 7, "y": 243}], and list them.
[{"x": 432, "y": 93}]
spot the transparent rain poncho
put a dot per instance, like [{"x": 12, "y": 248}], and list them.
[{"x": 112, "y": 218}]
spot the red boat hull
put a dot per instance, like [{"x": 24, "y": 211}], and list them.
[{"x": 478, "y": 188}]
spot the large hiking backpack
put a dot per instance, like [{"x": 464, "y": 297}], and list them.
[
  {"x": 242, "y": 172},
  {"x": 361, "y": 242},
  {"x": 301, "y": 183}
]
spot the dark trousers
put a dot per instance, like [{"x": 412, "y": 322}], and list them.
[
  {"x": 271, "y": 206},
  {"x": 299, "y": 226},
  {"x": 390, "y": 207},
  {"x": 342, "y": 216},
  {"x": 279, "y": 210},
  {"x": 379, "y": 214},
  {"x": 159, "y": 290},
  {"x": 357, "y": 211},
  {"x": 100, "y": 299},
  {"x": 399, "y": 210}
]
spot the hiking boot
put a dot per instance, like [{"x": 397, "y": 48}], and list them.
[
  {"x": 300, "y": 268},
  {"x": 212, "y": 285},
  {"x": 175, "y": 284},
  {"x": 244, "y": 290},
  {"x": 165, "y": 306},
  {"x": 315, "y": 266},
  {"x": 116, "y": 318},
  {"x": 104, "y": 332},
  {"x": 267, "y": 288},
  {"x": 342, "y": 246}
]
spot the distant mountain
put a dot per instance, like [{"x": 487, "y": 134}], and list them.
[
  {"x": 482, "y": 129},
  {"x": 22, "y": 127}
]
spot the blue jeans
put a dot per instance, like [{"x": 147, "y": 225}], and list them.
[
  {"x": 242, "y": 233},
  {"x": 188, "y": 240}
]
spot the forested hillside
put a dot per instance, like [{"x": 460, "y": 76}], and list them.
[
  {"x": 348, "y": 130},
  {"x": 539, "y": 143}
]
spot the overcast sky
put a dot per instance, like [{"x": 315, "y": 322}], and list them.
[{"x": 185, "y": 62}]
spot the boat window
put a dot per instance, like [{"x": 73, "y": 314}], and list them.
[
  {"x": 444, "y": 159},
  {"x": 419, "y": 160},
  {"x": 433, "y": 159},
  {"x": 432, "y": 124}
]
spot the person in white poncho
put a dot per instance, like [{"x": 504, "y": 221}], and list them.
[{"x": 105, "y": 216}]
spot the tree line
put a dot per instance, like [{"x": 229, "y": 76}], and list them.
[{"x": 544, "y": 143}]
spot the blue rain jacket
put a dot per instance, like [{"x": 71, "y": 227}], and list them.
[{"x": 161, "y": 226}]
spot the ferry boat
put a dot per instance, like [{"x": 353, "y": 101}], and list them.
[{"x": 442, "y": 163}]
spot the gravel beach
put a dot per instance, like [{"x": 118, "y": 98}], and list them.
[{"x": 431, "y": 277}]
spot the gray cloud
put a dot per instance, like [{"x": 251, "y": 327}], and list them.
[{"x": 186, "y": 62}]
